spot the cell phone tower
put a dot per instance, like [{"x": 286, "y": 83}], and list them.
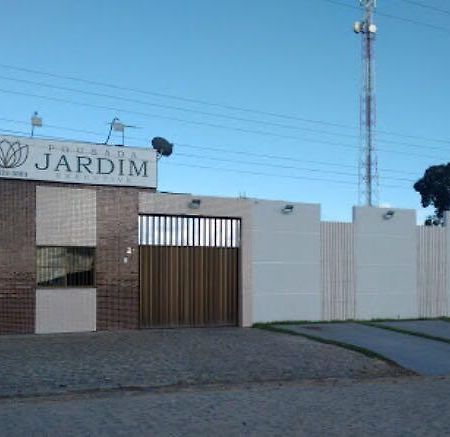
[{"x": 368, "y": 163}]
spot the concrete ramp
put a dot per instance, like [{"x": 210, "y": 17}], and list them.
[
  {"x": 433, "y": 328},
  {"x": 421, "y": 355}
]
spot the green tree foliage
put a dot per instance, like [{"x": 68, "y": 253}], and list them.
[{"x": 434, "y": 189}]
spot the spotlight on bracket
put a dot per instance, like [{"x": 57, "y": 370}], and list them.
[
  {"x": 195, "y": 203},
  {"x": 162, "y": 146},
  {"x": 36, "y": 121},
  {"x": 287, "y": 209},
  {"x": 388, "y": 214}
]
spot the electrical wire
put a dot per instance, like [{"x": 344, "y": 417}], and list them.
[
  {"x": 422, "y": 5},
  {"x": 395, "y": 17},
  {"x": 213, "y": 125},
  {"x": 217, "y": 105},
  {"x": 248, "y": 162},
  {"x": 174, "y": 97},
  {"x": 257, "y": 173},
  {"x": 223, "y": 150},
  {"x": 285, "y": 167},
  {"x": 176, "y": 108},
  {"x": 110, "y": 130},
  {"x": 266, "y": 123},
  {"x": 286, "y": 158}
]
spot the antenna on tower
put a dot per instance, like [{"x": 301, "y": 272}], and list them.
[{"x": 368, "y": 164}]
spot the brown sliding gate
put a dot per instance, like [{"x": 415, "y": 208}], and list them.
[{"x": 189, "y": 271}]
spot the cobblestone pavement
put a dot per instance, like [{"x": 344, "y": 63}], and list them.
[
  {"x": 46, "y": 364},
  {"x": 408, "y": 406}
]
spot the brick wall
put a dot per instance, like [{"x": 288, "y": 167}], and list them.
[
  {"x": 17, "y": 256},
  {"x": 117, "y": 282}
]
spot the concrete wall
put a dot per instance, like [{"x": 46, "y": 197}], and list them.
[
  {"x": 65, "y": 310},
  {"x": 293, "y": 266},
  {"x": 386, "y": 263},
  {"x": 338, "y": 274},
  {"x": 154, "y": 203},
  {"x": 285, "y": 262},
  {"x": 432, "y": 278}
]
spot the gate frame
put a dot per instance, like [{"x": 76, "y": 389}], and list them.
[{"x": 239, "y": 300}]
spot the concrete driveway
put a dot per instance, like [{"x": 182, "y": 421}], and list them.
[
  {"x": 432, "y": 328},
  {"x": 423, "y": 356}
]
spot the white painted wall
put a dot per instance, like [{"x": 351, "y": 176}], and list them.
[
  {"x": 296, "y": 268},
  {"x": 432, "y": 282},
  {"x": 65, "y": 310},
  {"x": 285, "y": 262},
  {"x": 386, "y": 263},
  {"x": 447, "y": 260},
  {"x": 338, "y": 276},
  {"x": 157, "y": 203}
]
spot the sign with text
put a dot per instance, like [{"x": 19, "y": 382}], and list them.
[{"x": 78, "y": 163}]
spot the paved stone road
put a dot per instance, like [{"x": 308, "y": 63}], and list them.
[
  {"x": 437, "y": 328},
  {"x": 424, "y": 356},
  {"x": 32, "y": 365},
  {"x": 407, "y": 406}
]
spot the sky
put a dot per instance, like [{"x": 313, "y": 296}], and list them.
[{"x": 260, "y": 97}]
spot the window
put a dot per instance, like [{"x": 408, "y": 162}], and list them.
[{"x": 65, "y": 266}]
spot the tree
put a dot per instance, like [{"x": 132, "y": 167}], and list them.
[{"x": 434, "y": 188}]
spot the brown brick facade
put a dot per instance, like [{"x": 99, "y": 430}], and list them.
[
  {"x": 117, "y": 282},
  {"x": 17, "y": 256}
]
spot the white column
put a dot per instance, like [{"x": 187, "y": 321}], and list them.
[{"x": 386, "y": 263}]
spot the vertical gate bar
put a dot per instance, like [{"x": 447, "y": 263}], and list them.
[{"x": 189, "y": 270}]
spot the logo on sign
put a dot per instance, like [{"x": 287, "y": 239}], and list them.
[{"x": 12, "y": 155}]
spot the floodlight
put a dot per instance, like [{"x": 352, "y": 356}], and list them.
[
  {"x": 195, "y": 203},
  {"x": 388, "y": 214},
  {"x": 287, "y": 209},
  {"x": 36, "y": 121}
]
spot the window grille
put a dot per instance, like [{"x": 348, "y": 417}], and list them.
[
  {"x": 65, "y": 266},
  {"x": 164, "y": 230}
]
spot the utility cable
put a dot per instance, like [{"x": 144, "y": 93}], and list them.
[
  {"x": 422, "y": 5},
  {"x": 213, "y": 104},
  {"x": 395, "y": 17},
  {"x": 266, "y": 123},
  {"x": 176, "y": 108},
  {"x": 247, "y": 162},
  {"x": 222, "y": 150},
  {"x": 258, "y": 132},
  {"x": 286, "y": 167},
  {"x": 257, "y": 173}
]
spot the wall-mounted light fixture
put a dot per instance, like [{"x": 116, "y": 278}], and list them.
[
  {"x": 287, "y": 209},
  {"x": 195, "y": 203},
  {"x": 36, "y": 121},
  {"x": 388, "y": 214}
]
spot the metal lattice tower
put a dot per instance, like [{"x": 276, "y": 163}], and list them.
[{"x": 368, "y": 164}]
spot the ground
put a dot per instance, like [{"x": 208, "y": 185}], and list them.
[{"x": 209, "y": 382}]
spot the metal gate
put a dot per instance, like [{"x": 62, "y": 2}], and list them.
[{"x": 189, "y": 271}]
